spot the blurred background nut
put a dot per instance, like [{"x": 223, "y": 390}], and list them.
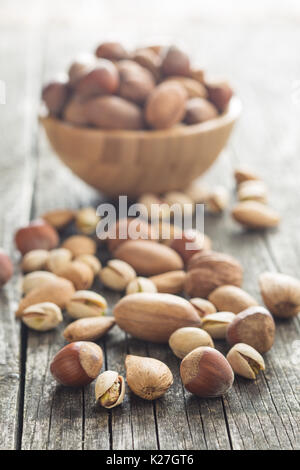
[
  {"x": 244, "y": 174},
  {"x": 36, "y": 279},
  {"x": 252, "y": 190},
  {"x": 88, "y": 329},
  {"x": 91, "y": 261},
  {"x": 220, "y": 93},
  {"x": 165, "y": 232},
  {"x": 34, "y": 260},
  {"x": 141, "y": 284},
  {"x": 123, "y": 230},
  {"x": 75, "y": 111},
  {"x": 58, "y": 259},
  {"x": 217, "y": 200},
  {"x": 187, "y": 339},
  {"x": 231, "y": 299},
  {"x": 150, "y": 60},
  {"x": 80, "y": 274},
  {"x": 112, "y": 51},
  {"x": 197, "y": 74},
  {"x": 110, "y": 389},
  {"x": 176, "y": 62},
  {"x": 181, "y": 200},
  {"x": 199, "y": 110},
  {"x": 42, "y": 317},
  {"x": 6, "y": 268},
  {"x": 245, "y": 361},
  {"x": 59, "y": 218},
  {"x": 202, "y": 306},
  {"x": 86, "y": 303},
  {"x": 153, "y": 207},
  {"x": 80, "y": 245},
  {"x": 216, "y": 324},
  {"x": 190, "y": 242},
  {"x": 205, "y": 372},
  {"x": 103, "y": 79},
  {"x": 117, "y": 274},
  {"x": 55, "y": 95},
  {"x": 171, "y": 282},
  {"x": 193, "y": 88},
  {"x": 136, "y": 82},
  {"x": 87, "y": 220},
  {"x": 197, "y": 192},
  {"x": 254, "y": 326},
  {"x": 37, "y": 235},
  {"x": 82, "y": 65},
  {"x": 114, "y": 112},
  {"x": 255, "y": 215},
  {"x": 165, "y": 105},
  {"x": 280, "y": 293}
]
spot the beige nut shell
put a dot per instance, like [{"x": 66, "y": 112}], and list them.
[
  {"x": 105, "y": 381},
  {"x": 237, "y": 359},
  {"x": 85, "y": 303},
  {"x": 185, "y": 340}
]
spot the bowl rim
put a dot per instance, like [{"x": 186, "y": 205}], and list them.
[{"x": 231, "y": 114}]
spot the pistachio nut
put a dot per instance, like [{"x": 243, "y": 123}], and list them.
[
  {"x": 80, "y": 245},
  {"x": 59, "y": 218},
  {"x": 91, "y": 261},
  {"x": 87, "y": 220},
  {"x": 185, "y": 340},
  {"x": 140, "y": 284},
  {"x": 117, "y": 274},
  {"x": 36, "y": 279},
  {"x": 204, "y": 307},
  {"x": 58, "y": 259},
  {"x": 245, "y": 360},
  {"x": 110, "y": 389},
  {"x": 80, "y": 274},
  {"x": 42, "y": 317},
  {"x": 252, "y": 190},
  {"x": 34, "y": 260},
  {"x": 216, "y": 324},
  {"x": 85, "y": 303}
]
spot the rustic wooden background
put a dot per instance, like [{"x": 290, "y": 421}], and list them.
[{"x": 256, "y": 46}]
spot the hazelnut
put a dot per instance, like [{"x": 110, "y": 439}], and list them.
[
  {"x": 88, "y": 329},
  {"x": 85, "y": 303},
  {"x": 77, "y": 364},
  {"x": 117, "y": 274},
  {"x": 245, "y": 361},
  {"x": 36, "y": 279},
  {"x": 220, "y": 93},
  {"x": 34, "y": 260},
  {"x": 185, "y": 340},
  {"x": 255, "y": 215},
  {"x": 217, "y": 200},
  {"x": 208, "y": 270},
  {"x": 42, "y": 317},
  {"x": 80, "y": 245},
  {"x": 202, "y": 306},
  {"x": 111, "y": 51},
  {"x": 55, "y": 95},
  {"x": 147, "y": 377},
  {"x": 91, "y": 261},
  {"x": 205, "y": 372},
  {"x": 216, "y": 324},
  {"x": 102, "y": 80},
  {"x": 170, "y": 283},
  {"x": 6, "y": 268},
  {"x": 231, "y": 299},
  {"x": 254, "y": 326},
  {"x": 80, "y": 274},
  {"x": 37, "y": 235},
  {"x": 59, "y": 218},
  {"x": 140, "y": 284},
  {"x": 253, "y": 191},
  {"x": 191, "y": 242},
  {"x": 110, "y": 389},
  {"x": 176, "y": 62},
  {"x": 199, "y": 110},
  {"x": 280, "y": 293},
  {"x": 87, "y": 220},
  {"x": 58, "y": 259}
]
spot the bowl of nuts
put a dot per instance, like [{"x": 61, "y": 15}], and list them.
[{"x": 137, "y": 122}]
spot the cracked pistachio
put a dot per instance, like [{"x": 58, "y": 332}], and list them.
[
  {"x": 140, "y": 284},
  {"x": 204, "y": 307},
  {"x": 110, "y": 389},
  {"x": 85, "y": 303},
  {"x": 91, "y": 261},
  {"x": 216, "y": 324},
  {"x": 245, "y": 360},
  {"x": 34, "y": 260},
  {"x": 42, "y": 317},
  {"x": 58, "y": 259},
  {"x": 117, "y": 274},
  {"x": 36, "y": 279},
  {"x": 87, "y": 220}
]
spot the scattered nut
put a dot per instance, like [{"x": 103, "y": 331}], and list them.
[
  {"x": 91, "y": 261},
  {"x": 165, "y": 232},
  {"x": 58, "y": 260},
  {"x": 198, "y": 192},
  {"x": 88, "y": 329},
  {"x": 6, "y": 268},
  {"x": 80, "y": 274},
  {"x": 255, "y": 215},
  {"x": 185, "y": 340},
  {"x": 87, "y": 220},
  {"x": 59, "y": 218},
  {"x": 244, "y": 174},
  {"x": 80, "y": 245},
  {"x": 180, "y": 200},
  {"x": 34, "y": 260},
  {"x": 216, "y": 324},
  {"x": 205, "y": 372},
  {"x": 153, "y": 207},
  {"x": 36, "y": 279},
  {"x": 42, "y": 317},
  {"x": 252, "y": 191},
  {"x": 77, "y": 364},
  {"x": 245, "y": 361},
  {"x": 147, "y": 377},
  {"x": 85, "y": 303},
  {"x": 37, "y": 235},
  {"x": 141, "y": 284},
  {"x": 280, "y": 293},
  {"x": 217, "y": 200},
  {"x": 117, "y": 274},
  {"x": 110, "y": 389},
  {"x": 202, "y": 306},
  {"x": 125, "y": 229},
  {"x": 190, "y": 242},
  {"x": 169, "y": 283},
  {"x": 231, "y": 299}
]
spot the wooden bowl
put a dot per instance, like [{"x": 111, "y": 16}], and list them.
[{"x": 136, "y": 162}]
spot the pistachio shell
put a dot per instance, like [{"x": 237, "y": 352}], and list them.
[
  {"x": 86, "y": 303},
  {"x": 117, "y": 274},
  {"x": 253, "y": 191},
  {"x": 58, "y": 259},
  {"x": 170, "y": 283},
  {"x": 80, "y": 274},
  {"x": 203, "y": 306},
  {"x": 87, "y": 220},
  {"x": 216, "y": 324},
  {"x": 110, "y": 389},
  {"x": 34, "y": 260},
  {"x": 36, "y": 279},
  {"x": 42, "y": 317},
  {"x": 245, "y": 360},
  {"x": 141, "y": 284},
  {"x": 80, "y": 245},
  {"x": 91, "y": 261}
]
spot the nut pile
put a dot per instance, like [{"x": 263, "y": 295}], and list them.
[{"x": 154, "y": 87}]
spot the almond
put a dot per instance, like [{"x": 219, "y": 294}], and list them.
[
  {"x": 253, "y": 214},
  {"x": 80, "y": 245},
  {"x": 59, "y": 218},
  {"x": 88, "y": 329},
  {"x": 165, "y": 105},
  {"x": 170, "y": 283},
  {"x": 231, "y": 299}
]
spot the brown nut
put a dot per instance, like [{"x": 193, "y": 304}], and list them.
[
  {"x": 153, "y": 207},
  {"x": 80, "y": 67},
  {"x": 75, "y": 111},
  {"x": 154, "y": 317},
  {"x": 91, "y": 261},
  {"x": 148, "y": 258},
  {"x": 147, "y": 377},
  {"x": 80, "y": 245},
  {"x": 85, "y": 303},
  {"x": 42, "y": 317},
  {"x": 77, "y": 364},
  {"x": 58, "y": 291},
  {"x": 59, "y": 218},
  {"x": 280, "y": 293},
  {"x": 255, "y": 215},
  {"x": 245, "y": 361},
  {"x": 110, "y": 389},
  {"x": 231, "y": 299},
  {"x": 113, "y": 112},
  {"x": 245, "y": 174},
  {"x": 199, "y": 110},
  {"x": 191, "y": 242},
  {"x": 203, "y": 306},
  {"x": 169, "y": 283},
  {"x": 111, "y": 51},
  {"x": 205, "y": 372},
  {"x": 36, "y": 279},
  {"x": 87, "y": 220},
  {"x": 165, "y": 232},
  {"x": 140, "y": 284},
  {"x": 136, "y": 82},
  {"x": 6, "y": 268},
  {"x": 193, "y": 88},
  {"x": 34, "y": 260},
  {"x": 254, "y": 326},
  {"x": 197, "y": 74},
  {"x": 208, "y": 270},
  {"x": 165, "y": 106},
  {"x": 217, "y": 200},
  {"x": 58, "y": 260},
  {"x": 185, "y": 340},
  {"x": 150, "y": 60},
  {"x": 216, "y": 324},
  {"x": 88, "y": 329},
  {"x": 80, "y": 274},
  {"x": 198, "y": 193},
  {"x": 219, "y": 93},
  {"x": 55, "y": 95},
  {"x": 176, "y": 62},
  {"x": 178, "y": 199},
  {"x": 103, "y": 79},
  {"x": 117, "y": 274},
  {"x": 125, "y": 229},
  {"x": 37, "y": 235}
]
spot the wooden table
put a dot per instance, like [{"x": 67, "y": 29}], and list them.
[{"x": 257, "y": 49}]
